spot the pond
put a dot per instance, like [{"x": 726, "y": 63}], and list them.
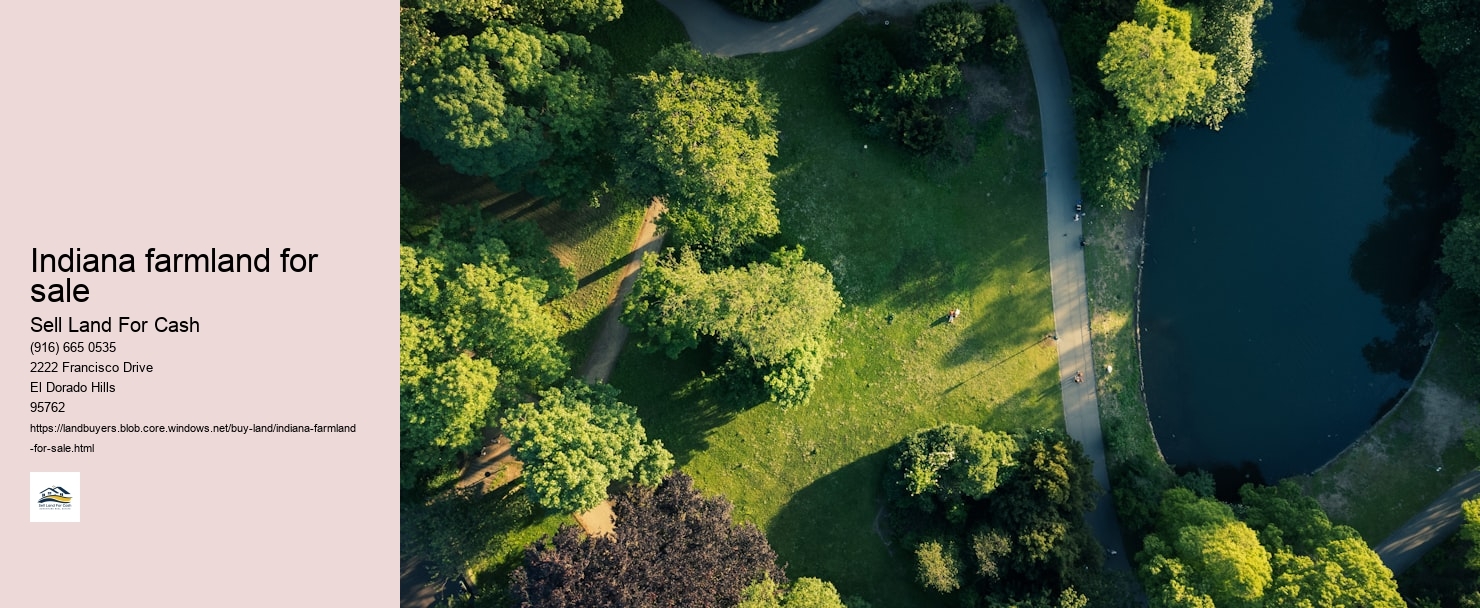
[{"x": 1290, "y": 255}]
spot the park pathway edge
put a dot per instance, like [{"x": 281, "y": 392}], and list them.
[{"x": 1066, "y": 261}]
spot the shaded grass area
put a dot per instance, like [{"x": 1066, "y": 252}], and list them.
[
  {"x": 1409, "y": 458},
  {"x": 644, "y": 28},
  {"x": 907, "y": 240},
  {"x": 594, "y": 242}
]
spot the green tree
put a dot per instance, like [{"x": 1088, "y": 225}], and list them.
[
  {"x": 576, "y": 441},
  {"x": 514, "y": 103},
  {"x": 803, "y": 593},
  {"x": 473, "y": 336},
  {"x": 940, "y": 468},
  {"x": 771, "y": 316},
  {"x": 1113, "y": 150},
  {"x": 548, "y": 14},
  {"x": 1157, "y": 14},
  {"x": 944, "y": 31},
  {"x": 1227, "y": 32},
  {"x": 1315, "y": 563},
  {"x": 1152, "y": 69},
  {"x": 769, "y": 10},
  {"x": 1343, "y": 572},
  {"x": 938, "y": 566},
  {"x": 1446, "y": 28},
  {"x": 1202, "y": 555},
  {"x": 699, "y": 132}
]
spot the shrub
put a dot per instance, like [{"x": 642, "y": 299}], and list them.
[
  {"x": 919, "y": 128},
  {"x": 945, "y": 31},
  {"x": 937, "y": 566}
]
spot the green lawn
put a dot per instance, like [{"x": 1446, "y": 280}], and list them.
[
  {"x": 1409, "y": 458},
  {"x": 906, "y": 240},
  {"x": 595, "y": 243}
]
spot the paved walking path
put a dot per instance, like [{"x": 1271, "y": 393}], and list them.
[
  {"x": 1429, "y": 527},
  {"x": 1066, "y": 260}
]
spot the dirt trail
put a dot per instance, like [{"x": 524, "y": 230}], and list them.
[{"x": 608, "y": 344}]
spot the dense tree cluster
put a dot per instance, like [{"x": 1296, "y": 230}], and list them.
[
  {"x": 994, "y": 517},
  {"x": 671, "y": 547},
  {"x": 490, "y": 90},
  {"x": 473, "y": 333},
  {"x": 578, "y": 440},
  {"x": 1140, "y": 66},
  {"x": 769, "y": 318},
  {"x": 699, "y": 132},
  {"x": 1283, "y": 553},
  {"x": 904, "y": 93}
]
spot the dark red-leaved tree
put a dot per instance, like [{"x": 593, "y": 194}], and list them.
[{"x": 672, "y": 548}]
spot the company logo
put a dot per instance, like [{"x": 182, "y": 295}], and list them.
[{"x": 55, "y": 497}]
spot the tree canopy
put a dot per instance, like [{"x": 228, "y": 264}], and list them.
[
  {"x": 472, "y": 334},
  {"x": 514, "y": 103},
  {"x": 671, "y": 547},
  {"x": 1151, "y": 67},
  {"x": 804, "y": 593},
  {"x": 993, "y": 517},
  {"x": 772, "y": 317},
  {"x": 939, "y": 468},
  {"x": 1202, "y": 555},
  {"x": 1226, "y": 31},
  {"x": 1284, "y": 553},
  {"x": 944, "y": 31},
  {"x": 576, "y": 441},
  {"x": 490, "y": 88},
  {"x": 699, "y": 132}
]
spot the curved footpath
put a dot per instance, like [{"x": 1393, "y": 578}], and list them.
[
  {"x": 1429, "y": 527},
  {"x": 715, "y": 30},
  {"x": 1066, "y": 260}
]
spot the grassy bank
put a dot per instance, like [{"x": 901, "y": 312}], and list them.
[
  {"x": 907, "y": 240},
  {"x": 1408, "y": 458}
]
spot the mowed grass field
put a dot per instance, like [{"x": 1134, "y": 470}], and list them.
[{"x": 907, "y": 240}]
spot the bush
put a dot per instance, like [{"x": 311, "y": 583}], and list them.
[
  {"x": 919, "y": 128},
  {"x": 864, "y": 63},
  {"x": 937, "y": 566},
  {"x": 945, "y": 31},
  {"x": 769, "y": 10}
]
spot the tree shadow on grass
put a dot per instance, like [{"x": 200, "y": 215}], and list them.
[
  {"x": 610, "y": 267},
  {"x": 1002, "y": 328},
  {"x": 675, "y": 398},
  {"x": 827, "y": 530},
  {"x": 832, "y": 528}
]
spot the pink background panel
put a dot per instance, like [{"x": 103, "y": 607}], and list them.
[{"x": 186, "y": 126}]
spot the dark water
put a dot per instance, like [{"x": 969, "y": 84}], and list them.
[{"x": 1289, "y": 254}]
